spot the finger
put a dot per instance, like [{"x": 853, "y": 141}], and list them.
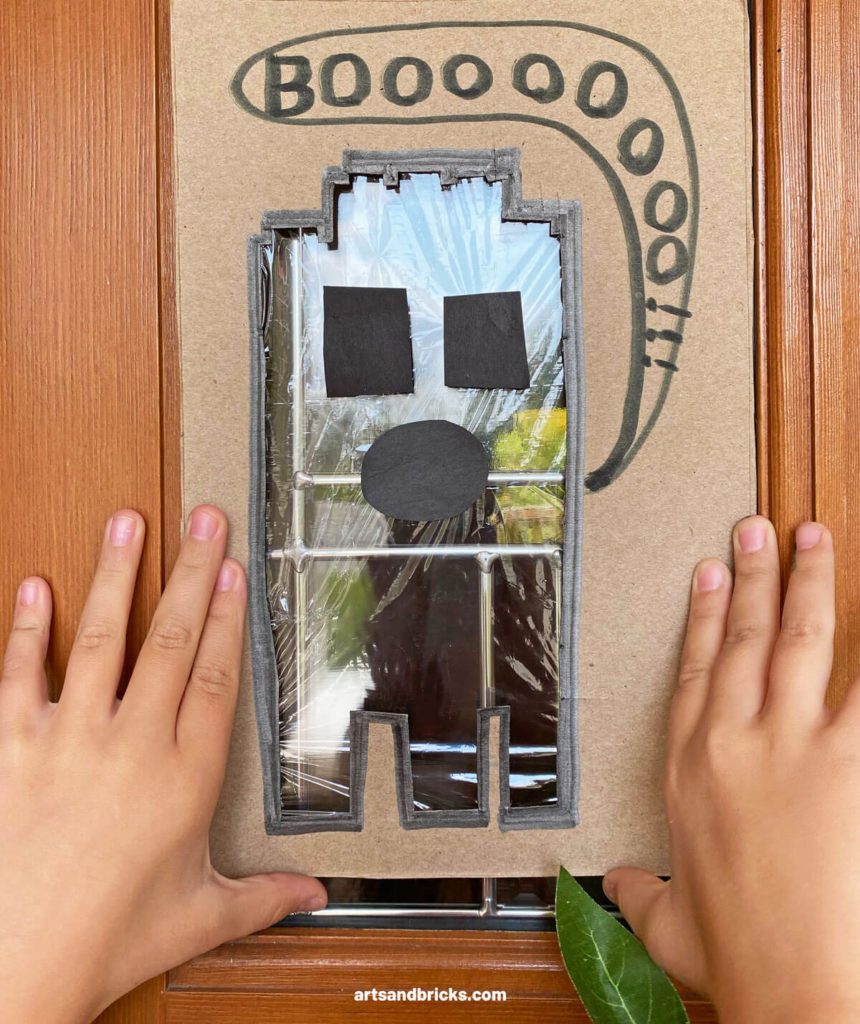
[
  {"x": 248, "y": 905},
  {"x": 23, "y": 684},
  {"x": 666, "y": 931},
  {"x": 205, "y": 718},
  {"x": 739, "y": 683},
  {"x": 96, "y": 658},
  {"x": 803, "y": 653},
  {"x": 636, "y": 892},
  {"x": 163, "y": 666},
  {"x": 706, "y": 629}
]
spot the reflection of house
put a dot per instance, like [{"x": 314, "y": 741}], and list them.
[{"x": 530, "y": 524}]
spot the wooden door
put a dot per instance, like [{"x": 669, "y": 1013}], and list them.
[{"x": 90, "y": 412}]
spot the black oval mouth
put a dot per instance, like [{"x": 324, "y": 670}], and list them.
[{"x": 424, "y": 471}]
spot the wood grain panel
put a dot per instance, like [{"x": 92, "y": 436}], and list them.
[
  {"x": 80, "y": 403},
  {"x": 298, "y": 1008},
  {"x": 384, "y": 958},
  {"x": 171, "y": 392},
  {"x": 144, "y": 1005},
  {"x": 312, "y": 974},
  {"x": 79, "y": 393},
  {"x": 834, "y": 80},
  {"x": 784, "y": 390}
]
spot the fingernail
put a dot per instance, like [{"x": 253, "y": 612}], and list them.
[
  {"x": 121, "y": 531},
  {"x": 27, "y": 593},
  {"x": 203, "y": 525},
  {"x": 226, "y": 577},
  {"x": 309, "y": 906},
  {"x": 709, "y": 577},
  {"x": 807, "y": 536},
  {"x": 751, "y": 536},
  {"x": 610, "y": 889}
]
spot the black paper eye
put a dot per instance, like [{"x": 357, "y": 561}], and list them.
[
  {"x": 485, "y": 341},
  {"x": 367, "y": 349}
]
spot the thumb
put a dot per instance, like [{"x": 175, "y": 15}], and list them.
[
  {"x": 636, "y": 892},
  {"x": 259, "y": 901}
]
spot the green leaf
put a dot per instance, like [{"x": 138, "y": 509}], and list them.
[{"x": 615, "y": 978}]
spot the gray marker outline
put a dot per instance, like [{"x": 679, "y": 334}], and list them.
[{"x": 565, "y": 222}]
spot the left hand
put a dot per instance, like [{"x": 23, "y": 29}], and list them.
[{"x": 105, "y": 804}]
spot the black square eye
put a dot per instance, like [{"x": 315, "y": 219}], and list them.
[
  {"x": 485, "y": 341},
  {"x": 367, "y": 349}
]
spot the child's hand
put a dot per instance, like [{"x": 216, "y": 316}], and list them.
[
  {"x": 105, "y": 806},
  {"x": 763, "y": 798}
]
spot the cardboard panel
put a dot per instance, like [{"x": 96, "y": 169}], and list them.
[{"x": 641, "y": 112}]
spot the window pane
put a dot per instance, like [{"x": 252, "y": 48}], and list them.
[
  {"x": 358, "y": 629},
  {"x": 525, "y": 673},
  {"x": 382, "y": 634}
]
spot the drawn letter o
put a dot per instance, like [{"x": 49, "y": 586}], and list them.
[
  {"x": 678, "y": 268},
  {"x": 616, "y": 102},
  {"x": 361, "y": 89},
  {"x": 540, "y": 94},
  {"x": 680, "y": 207},
  {"x": 483, "y": 77},
  {"x": 423, "y": 85},
  {"x": 640, "y": 163}
]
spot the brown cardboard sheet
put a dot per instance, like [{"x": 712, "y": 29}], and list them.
[{"x": 693, "y": 475}]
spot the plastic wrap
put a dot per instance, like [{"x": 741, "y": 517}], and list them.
[{"x": 356, "y": 628}]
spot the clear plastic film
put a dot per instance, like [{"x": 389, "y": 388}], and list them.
[{"x": 429, "y": 634}]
